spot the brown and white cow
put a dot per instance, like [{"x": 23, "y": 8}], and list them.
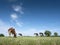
[{"x": 12, "y": 31}]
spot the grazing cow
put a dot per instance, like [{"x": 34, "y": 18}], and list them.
[{"x": 12, "y": 31}]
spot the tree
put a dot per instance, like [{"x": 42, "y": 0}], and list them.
[
  {"x": 55, "y": 34},
  {"x": 41, "y": 34},
  {"x": 36, "y": 34},
  {"x": 1, "y": 35},
  {"x": 20, "y": 34},
  {"x": 47, "y": 33}
]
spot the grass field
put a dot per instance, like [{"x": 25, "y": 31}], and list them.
[{"x": 30, "y": 41}]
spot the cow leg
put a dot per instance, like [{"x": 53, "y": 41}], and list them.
[{"x": 9, "y": 34}]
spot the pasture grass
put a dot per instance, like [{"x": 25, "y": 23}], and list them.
[{"x": 30, "y": 41}]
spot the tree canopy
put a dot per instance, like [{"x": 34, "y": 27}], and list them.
[
  {"x": 47, "y": 33},
  {"x": 1, "y": 35}
]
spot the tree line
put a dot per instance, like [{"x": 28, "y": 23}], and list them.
[{"x": 47, "y": 33}]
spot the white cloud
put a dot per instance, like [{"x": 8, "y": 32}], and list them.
[
  {"x": 20, "y": 24},
  {"x": 14, "y": 19},
  {"x": 14, "y": 16},
  {"x": 18, "y": 8}
]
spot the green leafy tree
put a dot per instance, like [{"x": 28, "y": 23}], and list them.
[
  {"x": 41, "y": 34},
  {"x": 36, "y": 34},
  {"x": 55, "y": 34},
  {"x": 1, "y": 35},
  {"x": 47, "y": 33}
]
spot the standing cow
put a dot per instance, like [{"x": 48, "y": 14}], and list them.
[{"x": 12, "y": 31}]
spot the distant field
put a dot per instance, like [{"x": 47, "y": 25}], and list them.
[{"x": 30, "y": 41}]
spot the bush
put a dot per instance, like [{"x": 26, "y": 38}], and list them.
[{"x": 1, "y": 35}]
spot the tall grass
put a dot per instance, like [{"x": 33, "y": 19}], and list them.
[{"x": 30, "y": 41}]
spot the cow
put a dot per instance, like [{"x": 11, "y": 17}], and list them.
[{"x": 12, "y": 31}]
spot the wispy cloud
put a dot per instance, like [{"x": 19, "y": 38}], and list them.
[
  {"x": 19, "y": 23},
  {"x": 18, "y": 8},
  {"x": 14, "y": 18}
]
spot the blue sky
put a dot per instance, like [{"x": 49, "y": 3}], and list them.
[{"x": 30, "y": 16}]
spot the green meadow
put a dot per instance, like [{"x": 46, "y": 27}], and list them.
[{"x": 30, "y": 41}]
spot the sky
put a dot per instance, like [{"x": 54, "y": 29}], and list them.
[{"x": 29, "y": 16}]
